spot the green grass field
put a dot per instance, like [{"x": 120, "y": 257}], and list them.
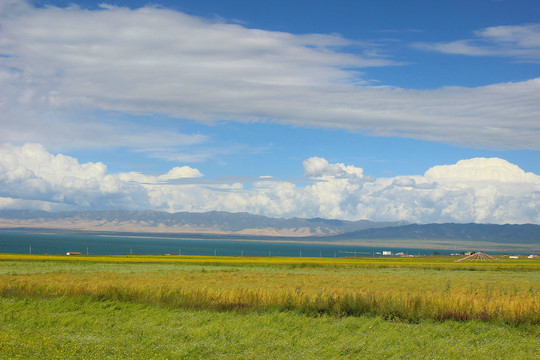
[{"x": 140, "y": 307}]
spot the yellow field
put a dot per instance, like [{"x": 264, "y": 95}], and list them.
[
  {"x": 435, "y": 262},
  {"x": 410, "y": 288}
]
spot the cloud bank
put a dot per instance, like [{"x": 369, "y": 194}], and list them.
[
  {"x": 473, "y": 190},
  {"x": 59, "y": 65}
]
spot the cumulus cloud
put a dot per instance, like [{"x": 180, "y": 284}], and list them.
[
  {"x": 518, "y": 41},
  {"x": 481, "y": 170},
  {"x": 59, "y": 63},
  {"x": 317, "y": 167},
  {"x": 474, "y": 190},
  {"x": 30, "y": 173}
]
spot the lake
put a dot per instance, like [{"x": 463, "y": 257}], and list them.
[{"x": 52, "y": 243}]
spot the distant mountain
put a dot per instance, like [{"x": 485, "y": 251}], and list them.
[
  {"x": 523, "y": 234},
  {"x": 216, "y": 222},
  {"x": 220, "y": 224}
]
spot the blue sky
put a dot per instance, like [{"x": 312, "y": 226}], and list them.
[{"x": 335, "y": 101}]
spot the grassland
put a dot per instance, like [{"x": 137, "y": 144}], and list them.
[{"x": 236, "y": 307}]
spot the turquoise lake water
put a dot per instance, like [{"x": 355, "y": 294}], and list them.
[{"x": 50, "y": 243}]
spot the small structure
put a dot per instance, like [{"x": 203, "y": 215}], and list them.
[
  {"x": 479, "y": 256},
  {"x": 513, "y": 257},
  {"x": 73, "y": 253},
  {"x": 387, "y": 253},
  {"x": 533, "y": 256}
]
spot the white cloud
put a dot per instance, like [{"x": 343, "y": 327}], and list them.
[
  {"x": 474, "y": 190},
  {"x": 317, "y": 167},
  {"x": 518, "y": 41},
  {"x": 59, "y": 64},
  {"x": 481, "y": 169},
  {"x": 30, "y": 173},
  {"x": 180, "y": 172}
]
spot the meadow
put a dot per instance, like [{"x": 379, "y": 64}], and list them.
[{"x": 241, "y": 307}]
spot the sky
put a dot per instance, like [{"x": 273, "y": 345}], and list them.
[{"x": 418, "y": 111}]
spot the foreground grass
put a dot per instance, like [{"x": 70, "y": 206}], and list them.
[
  {"x": 142, "y": 307},
  {"x": 80, "y": 328}
]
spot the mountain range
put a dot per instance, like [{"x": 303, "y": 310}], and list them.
[
  {"x": 219, "y": 224},
  {"x": 213, "y": 222}
]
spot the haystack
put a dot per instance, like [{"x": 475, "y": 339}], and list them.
[{"x": 479, "y": 256}]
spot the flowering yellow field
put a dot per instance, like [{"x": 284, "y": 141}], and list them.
[
  {"x": 437, "y": 262},
  {"x": 410, "y": 289}
]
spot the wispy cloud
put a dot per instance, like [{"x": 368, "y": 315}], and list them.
[
  {"x": 203, "y": 152},
  {"x": 61, "y": 64},
  {"x": 521, "y": 42},
  {"x": 61, "y": 129}
]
